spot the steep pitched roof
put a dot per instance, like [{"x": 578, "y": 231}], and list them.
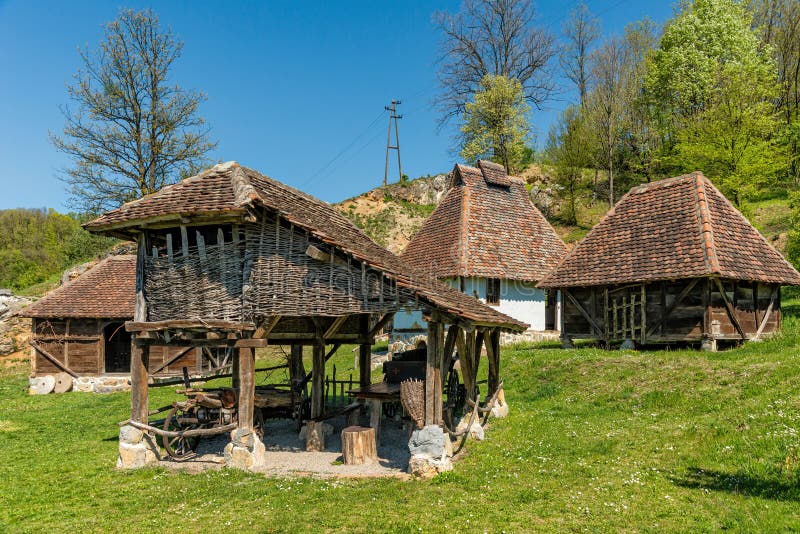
[
  {"x": 681, "y": 227},
  {"x": 486, "y": 226},
  {"x": 107, "y": 290},
  {"x": 230, "y": 189}
]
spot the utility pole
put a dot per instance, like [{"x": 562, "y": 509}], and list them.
[{"x": 393, "y": 117}]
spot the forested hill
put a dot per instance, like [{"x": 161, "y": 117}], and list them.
[{"x": 36, "y": 245}]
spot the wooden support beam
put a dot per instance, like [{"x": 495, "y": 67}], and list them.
[
  {"x": 379, "y": 325},
  {"x": 318, "y": 378},
  {"x": 297, "y": 371},
  {"x": 364, "y": 353},
  {"x": 730, "y": 308},
  {"x": 250, "y": 343},
  {"x": 335, "y": 326},
  {"x": 449, "y": 345},
  {"x": 493, "y": 355},
  {"x": 52, "y": 359},
  {"x": 265, "y": 328},
  {"x": 433, "y": 381},
  {"x": 140, "y": 309},
  {"x": 247, "y": 387},
  {"x": 140, "y": 358},
  {"x": 172, "y": 360},
  {"x": 235, "y": 368},
  {"x": 661, "y": 323},
  {"x": 583, "y": 312},
  {"x": 773, "y": 297}
]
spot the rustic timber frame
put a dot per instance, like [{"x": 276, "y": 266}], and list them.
[
  {"x": 672, "y": 261},
  {"x": 277, "y": 267},
  {"x": 689, "y": 311}
]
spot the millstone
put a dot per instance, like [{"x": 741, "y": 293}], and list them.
[
  {"x": 42, "y": 385},
  {"x": 63, "y": 383}
]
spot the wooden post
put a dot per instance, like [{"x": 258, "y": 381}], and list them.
[
  {"x": 247, "y": 386},
  {"x": 140, "y": 358},
  {"x": 493, "y": 354},
  {"x": 235, "y": 368},
  {"x": 375, "y": 414},
  {"x": 297, "y": 371},
  {"x": 364, "y": 354},
  {"x": 318, "y": 378},
  {"x": 433, "y": 372}
]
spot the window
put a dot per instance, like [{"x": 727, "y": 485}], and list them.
[{"x": 492, "y": 291}]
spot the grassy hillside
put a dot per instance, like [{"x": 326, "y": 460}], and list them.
[{"x": 600, "y": 441}]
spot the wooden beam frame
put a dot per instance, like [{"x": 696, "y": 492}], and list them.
[
  {"x": 767, "y": 314},
  {"x": 379, "y": 325},
  {"x": 335, "y": 326},
  {"x": 52, "y": 359},
  {"x": 265, "y": 328},
  {"x": 730, "y": 308},
  {"x": 671, "y": 308},
  {"x": 172, "y": 360},
  {"x": 583, "y": 312}
]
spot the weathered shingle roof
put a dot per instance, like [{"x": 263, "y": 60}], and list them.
[
  {"x": 229, "y": 189},
  {"x": 107, "y": 290},
  {"x": 486, "y": 226},
  {"x": 681, "y": 227}
]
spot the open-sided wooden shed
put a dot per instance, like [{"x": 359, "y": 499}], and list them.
[
  {"x": 673, "y": 261},
  {"x": 78, "y": 328},
  {"x": 232, "y": 258}
]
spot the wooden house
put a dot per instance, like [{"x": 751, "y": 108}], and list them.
[
  {"x": 673, "y": 261},
  {"x": 78, "y": 328},
  {"x": 233, "y": 258},
  {"x": 488, "y": 240}
]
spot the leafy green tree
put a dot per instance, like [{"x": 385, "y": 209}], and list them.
[
  {"x": 495, "y": 124},
  {"x": 133, "y": 131},
  {"x": 569, "y": 147},
  {"x": 713, "y": 84}
]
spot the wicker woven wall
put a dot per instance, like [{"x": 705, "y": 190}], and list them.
[{"x": 283, "y": 277}]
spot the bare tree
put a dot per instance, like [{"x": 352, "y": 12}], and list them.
[
  {"x": 580, "y": 32},
  {"x": 607, "y": 98},
  {"x": 492, "y": 37},
  {"x": 132, "y": 132}
]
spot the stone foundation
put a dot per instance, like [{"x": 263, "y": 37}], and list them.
[
  {"x": 136, "y": 449},
  {"x": 430, "y": 450},
  {"x": 96, "y": 384},
  {"x": 529, "y": 336},
  {"x": 245, "y": 451}
]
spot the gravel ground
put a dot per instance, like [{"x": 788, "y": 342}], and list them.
[{"x": 286, "y": 454}]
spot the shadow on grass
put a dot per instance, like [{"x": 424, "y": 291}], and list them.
[{"x": 739, "y": 484}]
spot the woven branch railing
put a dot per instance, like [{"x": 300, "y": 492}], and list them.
[{"x": 205, "y": 284}]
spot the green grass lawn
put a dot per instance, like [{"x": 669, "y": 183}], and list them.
[{"x": 597, "y": 441}]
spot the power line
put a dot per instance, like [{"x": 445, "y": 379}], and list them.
[{"x": 345, "y": 149}]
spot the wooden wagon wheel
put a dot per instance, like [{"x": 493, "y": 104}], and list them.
[
  {"x": 456, "y": 395},
  {"x": 179, "y": 447}
]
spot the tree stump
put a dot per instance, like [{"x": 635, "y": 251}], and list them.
[
  {"x": 315, "y": 436},
  {"x": 359, "y": 446}
]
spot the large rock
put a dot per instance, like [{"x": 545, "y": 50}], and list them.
[
  {"x": 426, "y": 467},
  {"x": 475, "y": 431},
  {"x": 327, "y": 430},
  {"x": 428, "y": 441},
  {"x": 135, "y": 451},
  {"x": 245, "y": 457}
]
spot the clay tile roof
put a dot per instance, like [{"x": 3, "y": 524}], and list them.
[
  {"x": 229, "y": 188},
  {"x": 681, "y": 227},
  {"x": 486, "y": 226},
  {"x": 107, "y": 290}
]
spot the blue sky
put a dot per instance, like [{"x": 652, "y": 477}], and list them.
[{"x": 295, "y": 90}]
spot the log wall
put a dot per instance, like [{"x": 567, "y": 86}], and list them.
[
  {"x": 79, "y": 344},
  {"x": 672, "y": 311}
]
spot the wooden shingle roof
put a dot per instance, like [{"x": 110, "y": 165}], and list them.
[
  {"x": 486, "y": 226},
  {"x": 106, "y": 291},
  {"x": 677, "y": 228},
  {"x": 229, "y": 190}
]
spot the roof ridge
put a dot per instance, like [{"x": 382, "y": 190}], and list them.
[
  {"x": 463, "y": 230},
  {"x": 244, "y": 193},
  {"x": 706, "y": 225}
]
